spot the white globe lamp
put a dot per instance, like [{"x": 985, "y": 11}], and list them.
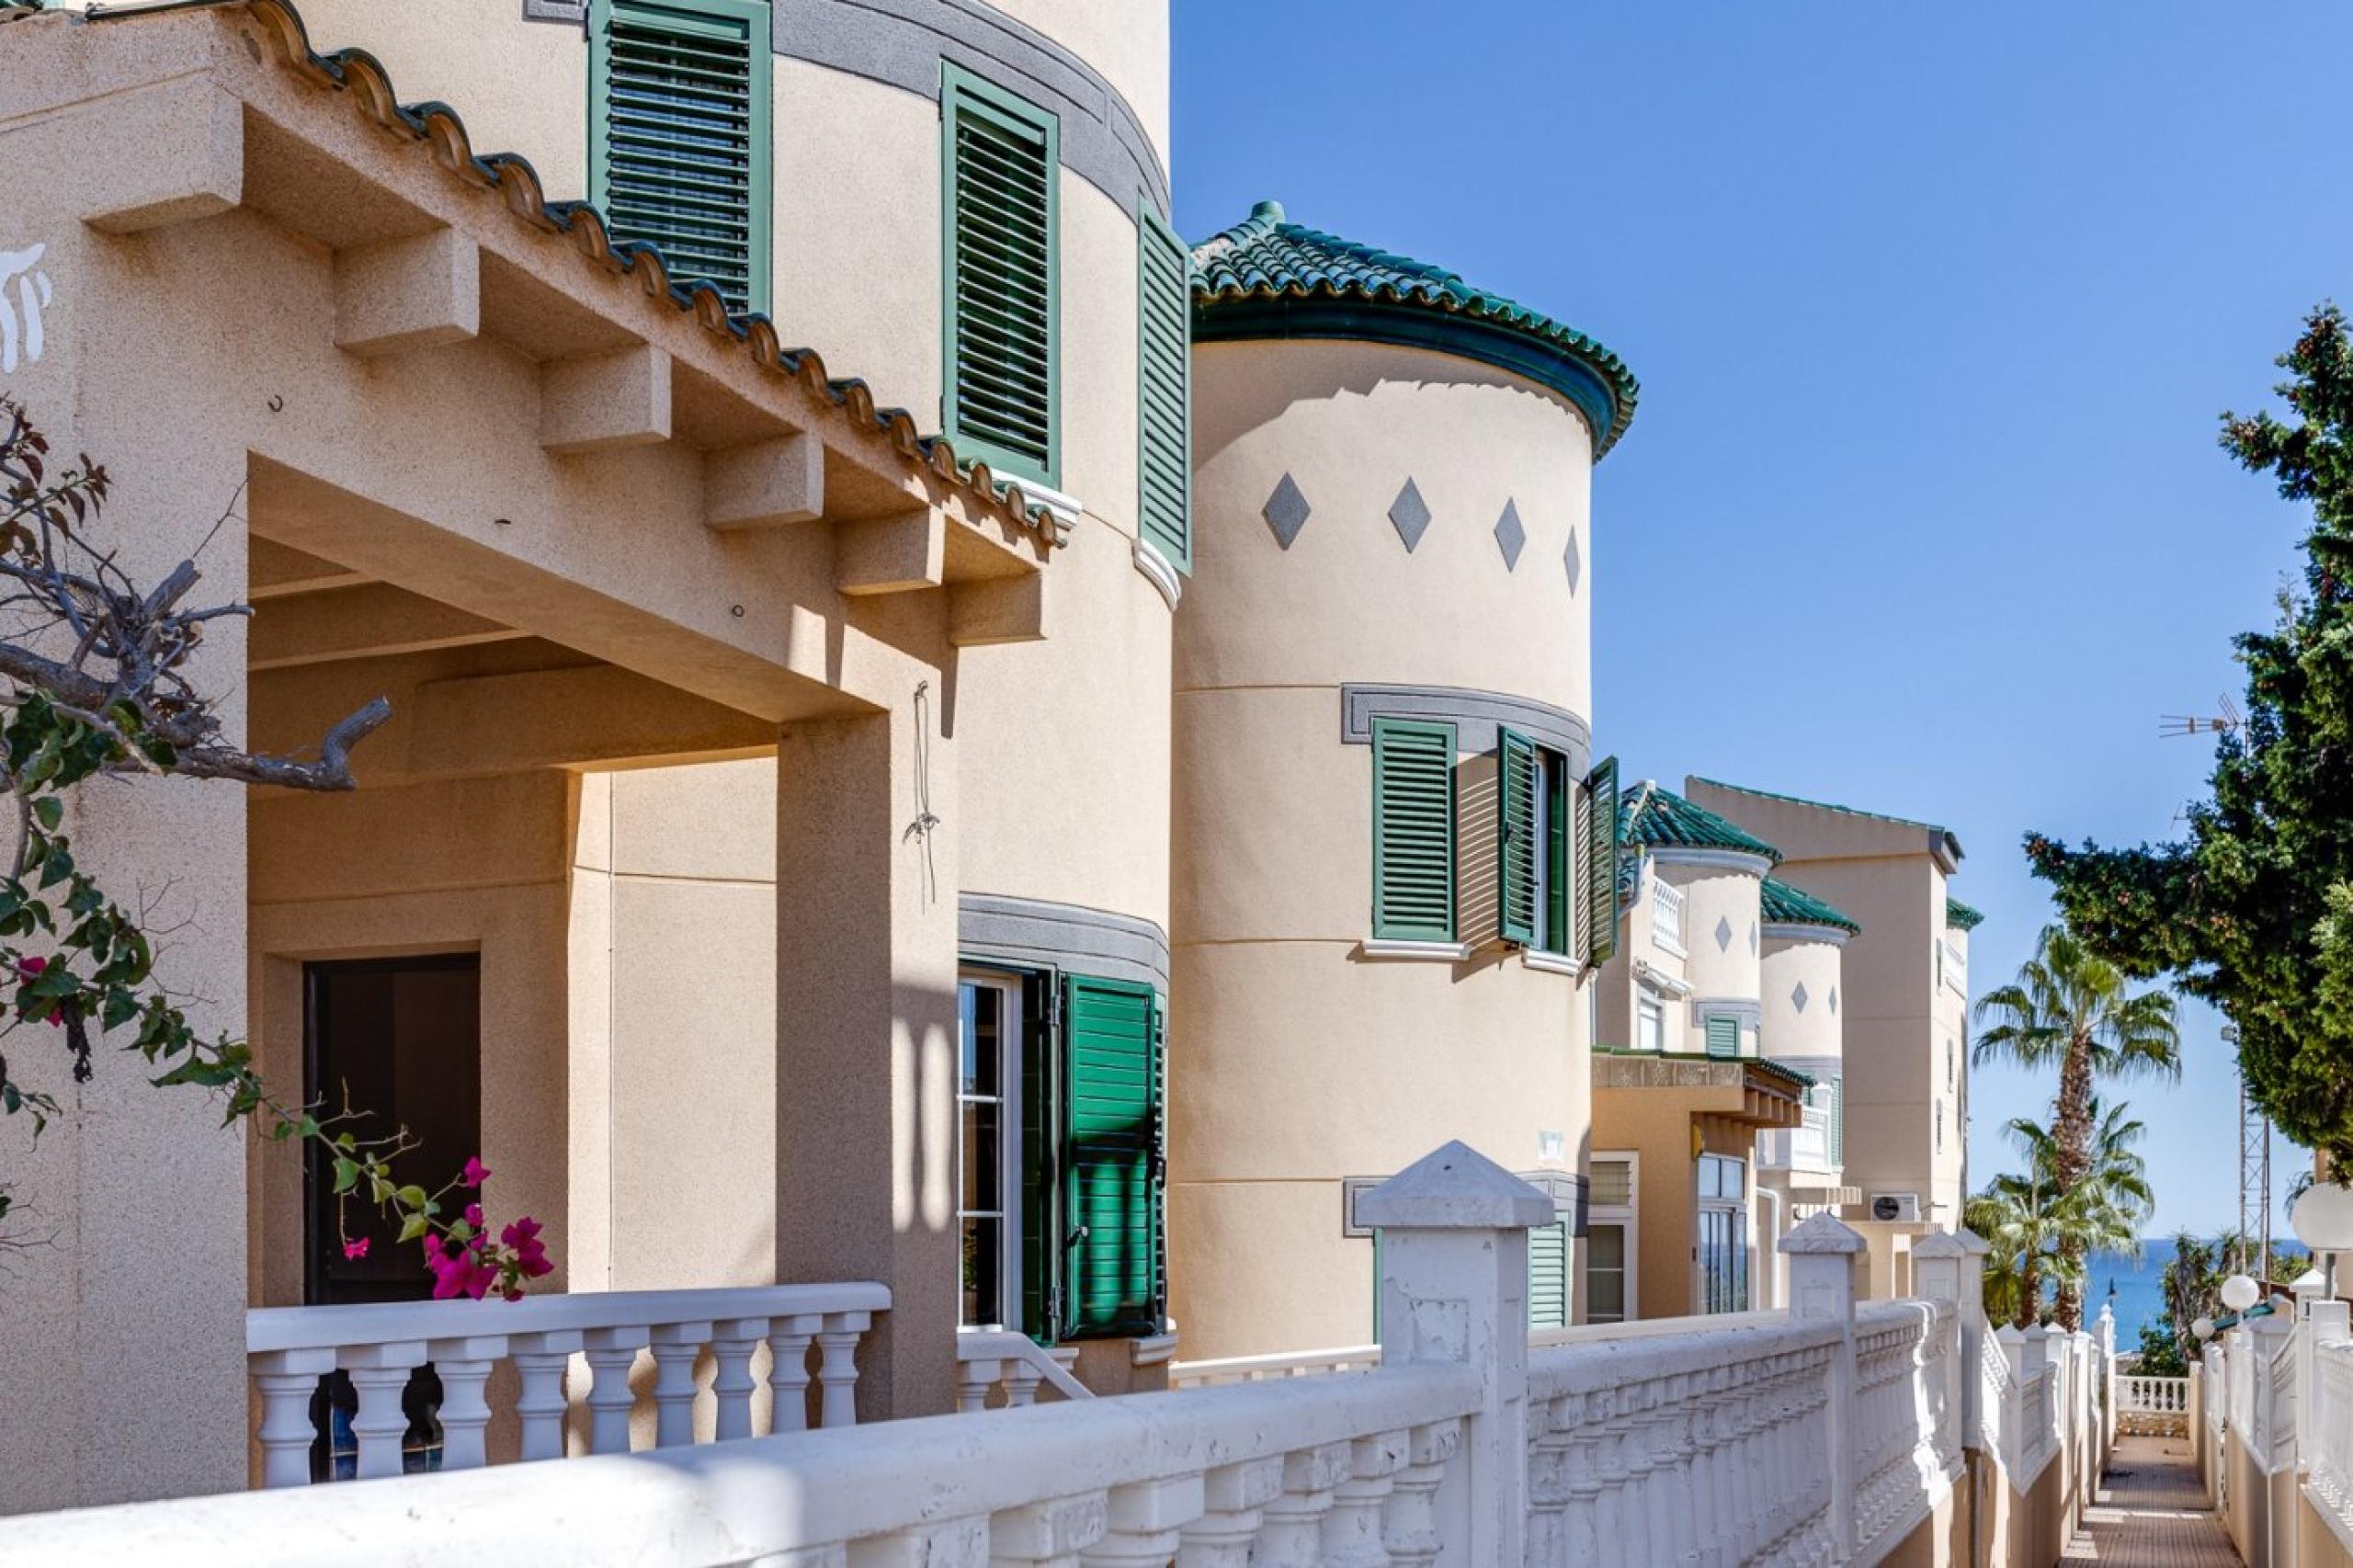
[
  {"x": 2322, "y": 1221},
  {"x": 2203, "y": 1327},
  {"x": 2239, "y": 1292}
]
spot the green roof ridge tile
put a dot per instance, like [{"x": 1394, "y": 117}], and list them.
[
  {"x": 1663, "y": 819},
  {"x": 1961, "y": 915},
  {"x": 1268, "y": 266},
  {"x": 1781, "y": 904},
  {"x": 1818, "y": 805}
]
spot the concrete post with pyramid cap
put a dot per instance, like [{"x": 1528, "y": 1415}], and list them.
[
  {"x": 1822, "y": 1254},
  {"x": 1454, "y": 1291}
]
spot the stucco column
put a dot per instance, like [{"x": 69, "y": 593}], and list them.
[
  {"x": 866, "y": 1035},
  {"x": 1946, "y": 1267},
  {"x": 1822, "y": 1288}
]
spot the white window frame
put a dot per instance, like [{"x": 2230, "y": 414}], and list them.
[
  {"x": 1646, "y": 1009},
  {"x": 1626, "y": 1215},
  {"x": 1008, "y": 1099},
  {"x": 1743, "y": 1208}
]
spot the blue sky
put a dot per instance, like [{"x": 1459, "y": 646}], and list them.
[{"x": 1934, "y": 310}]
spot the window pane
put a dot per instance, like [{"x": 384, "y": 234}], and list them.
[
  {"x": 984, "y": 1268},
  {"x": 1613, "y": 1184},
  {"x": 983, "y": 1011},
  {"x": 1605, "y": 1246},
  {"x": 983, "y": 1157}
]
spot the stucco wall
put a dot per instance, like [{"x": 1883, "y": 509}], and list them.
[
  {"x": 1720, "y": 931},
  {"x": 1294, "y": 1060},
  {"x": 1790, "y": 1031}
]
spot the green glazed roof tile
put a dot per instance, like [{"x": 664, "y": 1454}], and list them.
[
  {"x": 1960, "y": 915},
  {"x": 1267, "y": 277},
  {"x": 1782, "y": 904},
  {"x": 1663, "y": 819}
]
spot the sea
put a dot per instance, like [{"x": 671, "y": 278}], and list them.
[{"x": 2132, "y": 1286}]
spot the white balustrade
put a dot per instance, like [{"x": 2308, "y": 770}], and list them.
[
  {"x": 2152, "y": 1406},
  {"x": 1667, "y": 915},
  {"x": 380, "y": 1346},
  {"x": 1224, "y": 1370},
  {"x": 2328, "y": 1422},
  {"x": 1011, "y": 1366}
]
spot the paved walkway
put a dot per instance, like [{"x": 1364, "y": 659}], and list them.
[{"x": 2151, "y": 1513}]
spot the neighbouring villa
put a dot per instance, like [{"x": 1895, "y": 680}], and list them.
[{"x": 985, "y": 808}]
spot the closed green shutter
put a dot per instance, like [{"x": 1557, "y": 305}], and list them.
[
  {"x": 1000, "y": 166},
  {"x": 1517, "y": 779},
  {"x": 1413, "y": 830},
  {"x": 1040, "y": 1144},
  {"x": 1723, "y": 1036},
  {"x": 1557, "y": 833},
  {"x": 1164, "y": 369},
  {"x": 1837, "y": 1122},
  {"x": 1111, "y": 1173},
  {"x": 1601, "y": 863},
  {"x": 1548, "y": 1275},
  {"x": 679, "y": 133}
]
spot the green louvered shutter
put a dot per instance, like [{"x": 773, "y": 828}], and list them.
[
  {"x": 1040, "y": 1147},
  {"x": 1001, "y": 164},
  {"x": 1557, "y": 835},
  {"x": 1601, "y": 863},
  {"x": 1111, "y": 1174},
  {"x": 1517, "y": 779},
  {"x": 1164, "y": 409},
  {"x": 1413, "y": 830},
  {"x": 1838, "y": 1121},
  {"x": 679, "y": 134},
  {"x": 1723, "y": 1036},
  {"x": 1548, "y": 1275}
]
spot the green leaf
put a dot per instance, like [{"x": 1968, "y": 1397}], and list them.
[
  {"x": 412, "y": 1227},
  {"x": 412, "y": 1196},
  {"x": 50, "y": 810},
  {"x": 346, "y": 1175}
]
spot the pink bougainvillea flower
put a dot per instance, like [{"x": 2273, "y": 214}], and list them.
[
  {"x": 475, "y": 1173},
  {"x": 530, "y": 1253},
  {"x": 31, "y": 966},
  {"x": 473, "y": 1215},
  {"x": 355, "y": 1249}
]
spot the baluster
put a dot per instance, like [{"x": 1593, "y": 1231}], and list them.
[
  {"x": 1411, "y": 1528},
  {"x": 1549, "y": 1441},
  {"x": 1580, "y": 1481},
  {"x": 1293, "y": 1535},
  {"x": 1234, "y": 1499},
  {"x": 1745, "y": 1498},
  {"x": 837, "y": 1367},
  {"x": 540, "y": 1360},
  {"x": 1021, "y": 1381},
  {"x": 611, "y": 1353},
  {"x": 380, "y": 1373},
  {"x": 288, "y": 1379},
  {"x": 1352, "y": 1535},
  {"x": 789, "y": 1370},
  {"x": 1699, "y": 1531},
  {"x": 1607, "y": 1416},
  {"x": 732, "y": 1383},
  {"x": 676, "y": 1346},
  {"x": 1047, "y": 1535},
  {"x": 974, "y": 1378},
  {"x": 945, "y": 1543},
  {"x": 1143, "y": 1523},
  {"x": 463, "y": 1366},
  {"x": 1666, "y": 1435}
]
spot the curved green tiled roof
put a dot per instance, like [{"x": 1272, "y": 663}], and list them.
[
  {"x": 1267, "y": 277},
  {"x": 1665, "y": 820},
  {"x": 1782, "y": 904},
  {"x": 1960, "y": 915}
]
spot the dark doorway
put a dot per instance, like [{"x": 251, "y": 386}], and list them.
[{"x": 399, "y": 1039}]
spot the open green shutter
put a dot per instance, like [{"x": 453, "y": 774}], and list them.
[
  {"x": 1164, "y": 366},
  {"x": 1111, "y": 1174},
  {"x": 1517, "y": 779},
  {"x": 1723, "y": 1036},
  {"x": 1413, "y": 830},
  {"x": 1000, "y": 166},
  {"x": 1601, "y": 863},
  {"x": 1548, "y": 1275},
  {"x": 679, "y": 134},
  {"x": 1040, "y": 1148},
  {"x": 1837, "y": 1122},
  {"x": 1558, "y": 831}
]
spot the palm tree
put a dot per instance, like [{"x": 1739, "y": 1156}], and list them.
[
  {"x": 2072, "y": 1010},
  {"x": 2040, "y": 1233}
]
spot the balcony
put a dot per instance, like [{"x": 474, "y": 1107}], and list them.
[{"x": 1666, "y": 917}]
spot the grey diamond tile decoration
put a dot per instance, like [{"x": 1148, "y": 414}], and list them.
[
  {"x": 1752, "y": 936},
  {"x": 1410, "y": 515},
  {"x": 1798, "y": 997},
  {"x": 1834, "y": 999},
  {"x": 1574, "y": 561},
  {"x": 1723, "y": 934},
  {"x": 1510, "y": 536},
  {"x": 1285, "y": 511}
]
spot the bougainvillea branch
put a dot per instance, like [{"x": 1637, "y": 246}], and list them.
[{"x": 93, "y": 681}]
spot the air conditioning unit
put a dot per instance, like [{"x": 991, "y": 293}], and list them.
[{"x": 1897, "y": 1206}]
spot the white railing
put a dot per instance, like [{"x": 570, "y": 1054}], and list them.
[
  {"x": 1953, "y": 967},
  {"x": 1999, "y": 1404},
  {"x": 2328, "y": 1479},
  {"x": 1907, "y": 1415},
  {"x": 2155, "y": 1406},
  {"x": 988, "y": 1361},
  {"x": 1667, "y": 915},
  {"x": 1707, "y": 1445},
  {"x": 1229, "y": 1369},
  {"x": 289, "y": 1350}
]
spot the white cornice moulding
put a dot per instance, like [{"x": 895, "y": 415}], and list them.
[
  {"x": 1158, "y": 572},
  {"x": 1739, "y": 860},
  {"x": 1665, "y": 984},
  {"x": 1802, "y": 931},
  {"x": 1426, "y": 952},
  {"x": 1066, "y": 508},
  {"x": 1550, "y": 963}
]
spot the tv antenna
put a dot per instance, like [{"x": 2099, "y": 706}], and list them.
[{"x": 2229, "y": 722}]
